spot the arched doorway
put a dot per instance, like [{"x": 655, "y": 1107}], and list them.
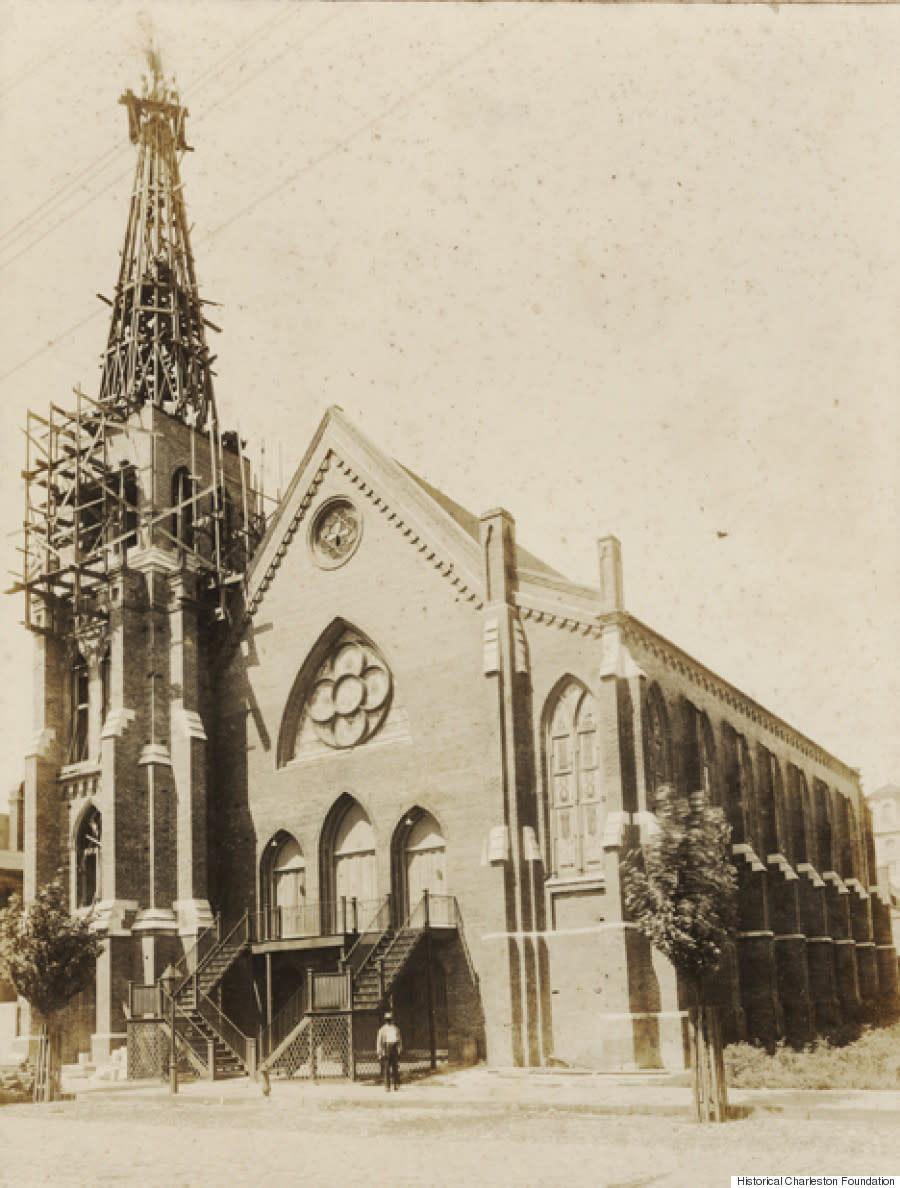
[
  {"x": 353, "y": 875},
  {"x": 284, "y": 887},
  {"x": 419, "y": 865}
]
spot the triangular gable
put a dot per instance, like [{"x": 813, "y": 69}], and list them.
[
  {"x": 423, "y": 522},
  {"x": 470, "y": 523}
]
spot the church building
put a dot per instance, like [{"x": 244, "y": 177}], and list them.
[{"x": 360, "y": 749}]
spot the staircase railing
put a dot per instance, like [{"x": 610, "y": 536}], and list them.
[
  {"x": 343, "y": 916},
  {"x": 206, "y": 941},
  {"x": 367, "y": 941},
  {"x": 461, "y": 934},
  {"x": 416, "y": 921},
  {"x": 243, "y": 1047},
  {"x": 237, "y": 937},
  {"x": 284, "y": 1022},
  {"x": 184, "y": 1029}
]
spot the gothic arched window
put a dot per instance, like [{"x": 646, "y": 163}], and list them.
[
  {"x": 658, "y": 749},
  {"x": 87, "y": 857},
  {"x": 183, "y": 498},
  {"x": 78, "y": 735},
  {"x": 577, "y": 800}
]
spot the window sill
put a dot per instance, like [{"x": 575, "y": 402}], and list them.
[{"x": 591, "y": 882}]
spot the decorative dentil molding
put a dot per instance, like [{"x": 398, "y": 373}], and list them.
[{"x": 410, "y": 534}]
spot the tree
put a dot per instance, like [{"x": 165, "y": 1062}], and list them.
[
  {"x": 680, "y": 890},
  {"x": 49, "y": 955}
]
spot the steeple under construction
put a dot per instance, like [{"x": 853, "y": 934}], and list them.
[
  {"x": 157, "y": 351},
  {"x": 141, "y": 517}
]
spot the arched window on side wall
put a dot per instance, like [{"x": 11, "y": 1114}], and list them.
[
  {"x": 658, "y": 748},
  {"x": 822, "y": 827},
  {"x": 769, "y": 795},
  {"x": 710, "y": 777},
  {"x": 796, "y": 800},
  {"x": 577, "y": 801},
  {"x": 731, "y": 779},
  {"x": 88, "y": 845}
]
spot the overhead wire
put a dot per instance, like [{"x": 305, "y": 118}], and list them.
[
  {"x": 311, "y": 164},
  {"x": 99, "y": 164},
  {"x": 41, "y": 60}
]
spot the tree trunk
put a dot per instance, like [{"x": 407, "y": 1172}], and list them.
[
  {"x": 47, "y": 1085},
  {"x": 710, "y": 1094}
]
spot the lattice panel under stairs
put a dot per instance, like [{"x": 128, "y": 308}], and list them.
[
  {"x": 148, "y": 1050},
  {"x": 322, "y": 1049}
]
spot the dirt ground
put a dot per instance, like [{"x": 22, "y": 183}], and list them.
[{"x": 303, "y": 1134}]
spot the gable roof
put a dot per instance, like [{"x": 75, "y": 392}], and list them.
[
  {"x": 446, "y": 532},
  {"x": 469, "y": 522}
]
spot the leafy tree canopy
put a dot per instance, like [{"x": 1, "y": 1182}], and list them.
[
  {"x": 680, "y": 889},
  {"x": 47, "y": 954}
]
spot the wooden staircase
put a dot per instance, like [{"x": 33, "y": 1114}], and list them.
[
  {"x": 372, "y": 968},
  {"x": 215, "y": 1044},
  {"x": 384, "y": 965}
]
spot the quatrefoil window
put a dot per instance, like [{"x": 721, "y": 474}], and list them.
[
  {"x": 335, "y": 533},
  {"x": 350, "y": 694}
]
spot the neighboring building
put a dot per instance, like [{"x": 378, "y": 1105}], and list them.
[
  {"x": 12, "y": 840},
  {"x": 885, "y": 808},
  {"x": 398, "y": 756}
]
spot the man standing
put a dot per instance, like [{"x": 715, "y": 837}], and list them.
[{"x": 388, "y": 1049}]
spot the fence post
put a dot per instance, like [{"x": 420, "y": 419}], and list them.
[
  {"x": 351, "y": 1053},
  {"x": 210, "y": 1060},
  {"x": 251, "y": 1059},
  {"x": 427, "y": 907},
  {"x": 431, "y": 1033}
]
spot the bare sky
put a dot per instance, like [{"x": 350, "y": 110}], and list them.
[{"x": 625, "y": 269}]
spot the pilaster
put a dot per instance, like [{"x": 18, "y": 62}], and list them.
[
  {"x": 813, "y": 909},
  {"x": 189, "y": 753},
  {"x": 755, "y": 951},
  {"x": 789, "y": 943},
  {"x": 861, "y": 931},
  {"x": 514, "y": 1030},
  {"x": 44, "y": 831},
  {"x": 837, "y": 899}
]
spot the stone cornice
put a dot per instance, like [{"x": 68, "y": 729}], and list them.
[
  {"x": 571, "y": 619},
  {"x": 698, "y": 674}
]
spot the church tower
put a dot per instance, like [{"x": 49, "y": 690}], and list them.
[{"x": 140, "y": 516}]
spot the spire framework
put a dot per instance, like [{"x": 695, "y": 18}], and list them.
[{"x": 156, "y": 352}]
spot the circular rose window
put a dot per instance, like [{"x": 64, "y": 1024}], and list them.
[
  {"x": 335, "y": 533},
  {"x": 350, "y": 695}
]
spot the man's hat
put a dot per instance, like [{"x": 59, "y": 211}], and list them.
[{"x": 388, "y": 1015}]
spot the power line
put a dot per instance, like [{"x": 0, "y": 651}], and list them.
[
  {"x": 444, "y": 72},
  {"x": 39, "y": 61},
  {"x": 369, "y": 124},
  {"x": 56, "y": 200},
  {"x": 62, "y": 193}
]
